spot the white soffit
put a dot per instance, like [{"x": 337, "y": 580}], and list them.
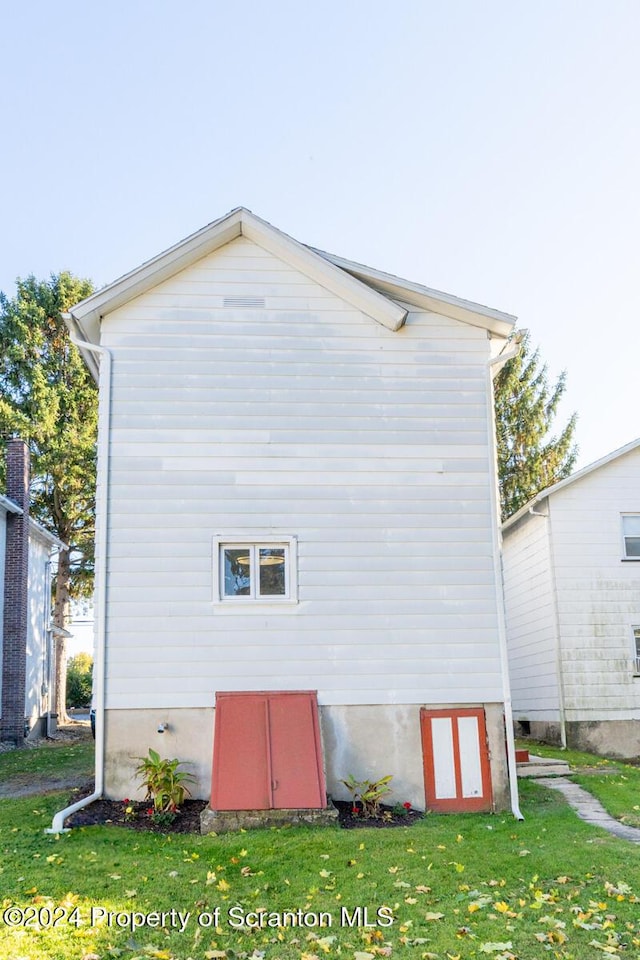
[{"x": 239, "y": 222}]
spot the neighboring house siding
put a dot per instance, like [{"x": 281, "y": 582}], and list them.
[
  {"x": 305, "y": 418},
  {"x": 3, "y": 547},
  {"x": 531, "y": 619},
  {"x": 598, "y": 592},
  {"x": 38, "y": 652}
]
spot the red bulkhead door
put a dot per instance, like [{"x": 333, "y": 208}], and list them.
[
  {"x": 267, "y": 752},
  {"x": 240, "y": 754}
]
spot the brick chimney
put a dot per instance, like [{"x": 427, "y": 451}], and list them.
[{"x": 14, "y": 646}]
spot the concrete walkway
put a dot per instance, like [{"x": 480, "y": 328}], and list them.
[{"x": 590, "y": 809}]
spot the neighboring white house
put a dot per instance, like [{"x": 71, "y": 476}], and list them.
[
  {"x": 297, "y": 492},
  {"x": 26, "y": 647},
  {"x": 572, "y": 592}
]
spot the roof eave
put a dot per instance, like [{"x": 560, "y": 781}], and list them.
[
  {"x": 496, "y": 321},
  {"x": 41, "y": 533},
  {"x": 548, "y": 491},
  {"x": 9, "y": 505},
  {"x": 239, "y": 222}
]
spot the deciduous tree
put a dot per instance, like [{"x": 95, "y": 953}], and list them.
[{"x": 48, "y": 397}]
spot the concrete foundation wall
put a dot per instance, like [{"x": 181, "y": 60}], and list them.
[
  {"x": 609, "y": 738},
  {"x": 366, "y": 741},
  {"x": 548, "y": 731}
]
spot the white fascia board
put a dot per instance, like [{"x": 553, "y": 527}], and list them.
[
  {"x": 77, "y": 332},
  {"x": 35, "y": 529},
  {"x": 496, "y": 321},
  {"x": 239, "y": 222},
  {"x": 38, "y": 532},
  {"x": 9, "y": 506},
  {"x": 620, "y": 452},
  {"x": 328, "y": 274},
  {"x": 89, "y": 312}
]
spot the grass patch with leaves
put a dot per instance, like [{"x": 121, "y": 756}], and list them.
[
  {"x": 618, "y": 792},
  {"x": 54, "y": 762},
  {"x": 465, "y": 887}
]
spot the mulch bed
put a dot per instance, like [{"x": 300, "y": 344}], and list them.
[
  {"x": 187, "y": 820},
  {"x": 350, "y": 821}
]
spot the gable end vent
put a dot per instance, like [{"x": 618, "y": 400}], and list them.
[{"x": 253, "y": 302}]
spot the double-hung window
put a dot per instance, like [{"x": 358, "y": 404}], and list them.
[
  {"x": 631, "y": 536},
  {"x": 636, "y": 643},
  {"x": 260, "y": 569}
]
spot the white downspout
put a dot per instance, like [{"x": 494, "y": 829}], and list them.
[
  {"x": 57, "y": 825},
  {"x": 497, "y": 566},
  {"x": 556, "y": 623}
]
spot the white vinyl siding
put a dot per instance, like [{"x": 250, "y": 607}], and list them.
[
  {"x": 597, "y": 595},
  {"x": 531, "y": 619},
  {"x": 3, "y": 546},
  {"x": 304, "y": 416}
]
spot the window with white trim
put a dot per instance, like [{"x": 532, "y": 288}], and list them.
[
  {"x": 636, "y": 643},
  {"x": 631, "y": 536},
  {"x": 250, "y": 570}
]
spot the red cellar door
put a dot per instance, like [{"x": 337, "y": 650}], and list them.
[{"x": 267, "y": 752}]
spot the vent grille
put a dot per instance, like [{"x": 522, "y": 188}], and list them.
[{"x": 253, "y": 302}]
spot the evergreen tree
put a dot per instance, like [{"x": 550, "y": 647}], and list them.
[
  {"x": 530, "y": 457},
  {"x": 48, "y": 398}
]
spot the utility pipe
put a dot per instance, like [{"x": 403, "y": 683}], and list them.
[
  {"x": 497, "y": 566},
  {"x": 104, "y": 419},
  {"x": 556, "y": 622}
]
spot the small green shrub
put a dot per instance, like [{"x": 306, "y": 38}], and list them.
[
  {"x": 166, "y": 786},
  {"x": 368, "y": 793}
]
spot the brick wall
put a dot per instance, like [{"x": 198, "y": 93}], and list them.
[{"x": 15, "y": 595}]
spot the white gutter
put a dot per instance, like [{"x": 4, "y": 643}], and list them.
[
  {"x": 497, "y": 566},
  {"x": 57, "y": 825}
]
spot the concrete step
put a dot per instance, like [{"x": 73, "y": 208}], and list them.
[{"x": 543, "y": 767}]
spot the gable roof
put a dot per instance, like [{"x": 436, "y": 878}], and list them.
[
  {"x": 548, "y": 491},
  {"x": 372, "y": 292}
]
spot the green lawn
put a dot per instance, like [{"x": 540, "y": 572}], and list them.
[
  {"x": 61, "y": 761},
  {"x": 472, "y": 886}
]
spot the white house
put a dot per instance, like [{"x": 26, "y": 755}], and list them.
[
  {"x": 572, "y": 593},
  {"x": 297, "y": 494},
  {"x": 26, "y": 646}
]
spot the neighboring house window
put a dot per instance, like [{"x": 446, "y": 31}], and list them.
[
  {"x": 631, "y": 536},
  {"x": 255, "y": 569},
  {"x": 636, "y": 639}
]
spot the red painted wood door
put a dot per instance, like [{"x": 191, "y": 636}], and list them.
[
  {"x": 267, "y": 752},
  {"x": 457, "y": 775}
]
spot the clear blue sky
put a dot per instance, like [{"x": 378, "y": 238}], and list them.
[{"x": 489, "y": 149}]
